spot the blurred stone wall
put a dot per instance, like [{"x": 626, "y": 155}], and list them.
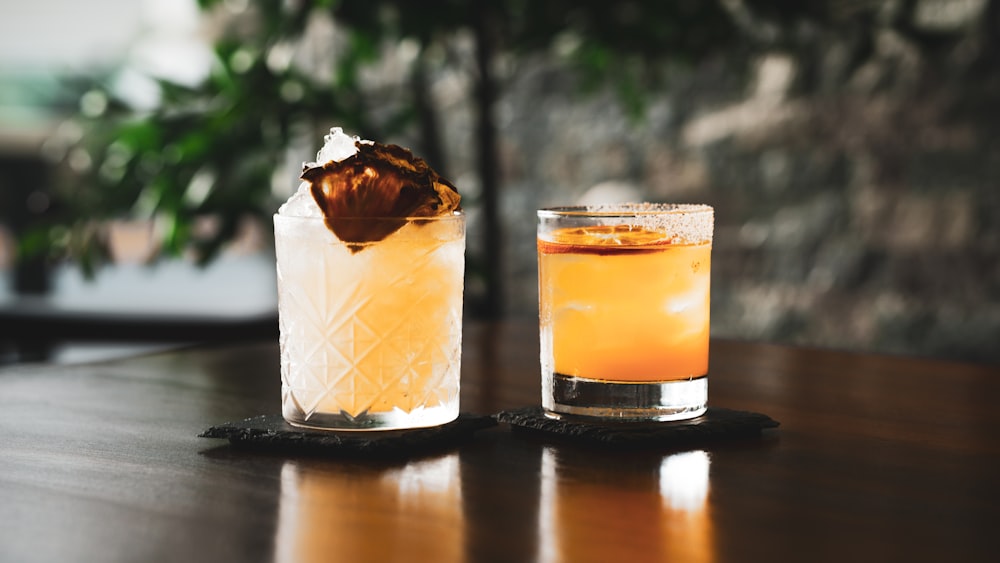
[
  {"x": 857, "y": 205},
  {"x": 859, "y": 216}
]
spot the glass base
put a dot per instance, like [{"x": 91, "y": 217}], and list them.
[
  {"x": 392, "y": 420},
  {"x": 632, "y": 401}
]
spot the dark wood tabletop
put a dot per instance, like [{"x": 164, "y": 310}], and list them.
[{"x": 877, "y": 458}]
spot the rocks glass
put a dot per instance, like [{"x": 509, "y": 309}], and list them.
[
  {"x": 624, "y": 310},
  {"x": 370, "y": 333}
]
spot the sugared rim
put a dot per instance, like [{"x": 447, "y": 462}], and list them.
[
  {"x": 624, "y": 210},
  {"x": 682, "y": 223}
]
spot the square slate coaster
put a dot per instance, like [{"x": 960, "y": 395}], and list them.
[
  {"x": 272, "y": 433},
  {"x": 716, "y": 425}
]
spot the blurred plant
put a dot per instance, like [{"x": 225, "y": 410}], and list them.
[{"x": 212, "y": 150}]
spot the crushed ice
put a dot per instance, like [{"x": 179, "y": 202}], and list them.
[{"x": 336, "y": 147}]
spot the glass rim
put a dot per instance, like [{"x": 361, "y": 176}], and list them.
[
  {"x": 624, "y": 210},
  {"x": 450, "y": 216}
]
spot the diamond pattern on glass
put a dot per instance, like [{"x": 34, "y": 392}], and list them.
[{"x": 356, "y": 339}]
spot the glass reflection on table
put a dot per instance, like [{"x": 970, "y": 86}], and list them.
[
  {"x": 598, "y": 506},
  {"x": 327, "y": 511}
]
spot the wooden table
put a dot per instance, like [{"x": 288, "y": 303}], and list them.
[{"x": 877, "y": 459}]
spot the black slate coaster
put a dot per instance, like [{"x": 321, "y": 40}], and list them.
[
  {"x": 716, "y": 425},
  {"x": 272, "y": 433}
]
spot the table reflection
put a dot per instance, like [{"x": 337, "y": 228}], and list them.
[
  {"x": 597, "y": 506},
  {"x": 327, "y": 510}
]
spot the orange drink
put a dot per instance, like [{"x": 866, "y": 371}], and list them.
[
  {"x": 624, "y": 310},
  {"x": 370, "y": 339},
  {"x": 370, "y": 259}
]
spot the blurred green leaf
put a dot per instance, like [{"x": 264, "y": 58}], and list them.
[{"x": 242, "y": 119}]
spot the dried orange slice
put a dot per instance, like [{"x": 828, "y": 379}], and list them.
[{"x": 613, "y": 235}]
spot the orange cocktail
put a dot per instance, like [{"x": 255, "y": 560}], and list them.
[
  {"x": 624, "y": 310},
  {"x": 370, "y": 254}
]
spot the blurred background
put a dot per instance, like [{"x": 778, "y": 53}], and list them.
[{"x": 850, "y": 149}]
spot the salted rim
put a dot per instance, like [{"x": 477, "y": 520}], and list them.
[
  {"x": 624, "y": 210},
  {"x": 687, "y": 223}
]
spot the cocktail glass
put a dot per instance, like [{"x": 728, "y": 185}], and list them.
[
  {"x": 624, "y": 310},
  {"x": 370, "y": 333}
]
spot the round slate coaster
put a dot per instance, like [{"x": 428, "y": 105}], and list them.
[
  {"x": 271, "y": 432},
  {"x": 716, "y": 425}
]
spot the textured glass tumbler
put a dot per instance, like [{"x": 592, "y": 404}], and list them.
[
  {"x": 624, "y": 310},
  {"x": 370, "y": 333}
]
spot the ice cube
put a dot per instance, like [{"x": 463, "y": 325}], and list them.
[
  {"x": 336, "y": 147},
  {"x": 301, "y": 204}
]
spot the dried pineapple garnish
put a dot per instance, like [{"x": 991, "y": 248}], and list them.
[{"x": 368, "y": 196}]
